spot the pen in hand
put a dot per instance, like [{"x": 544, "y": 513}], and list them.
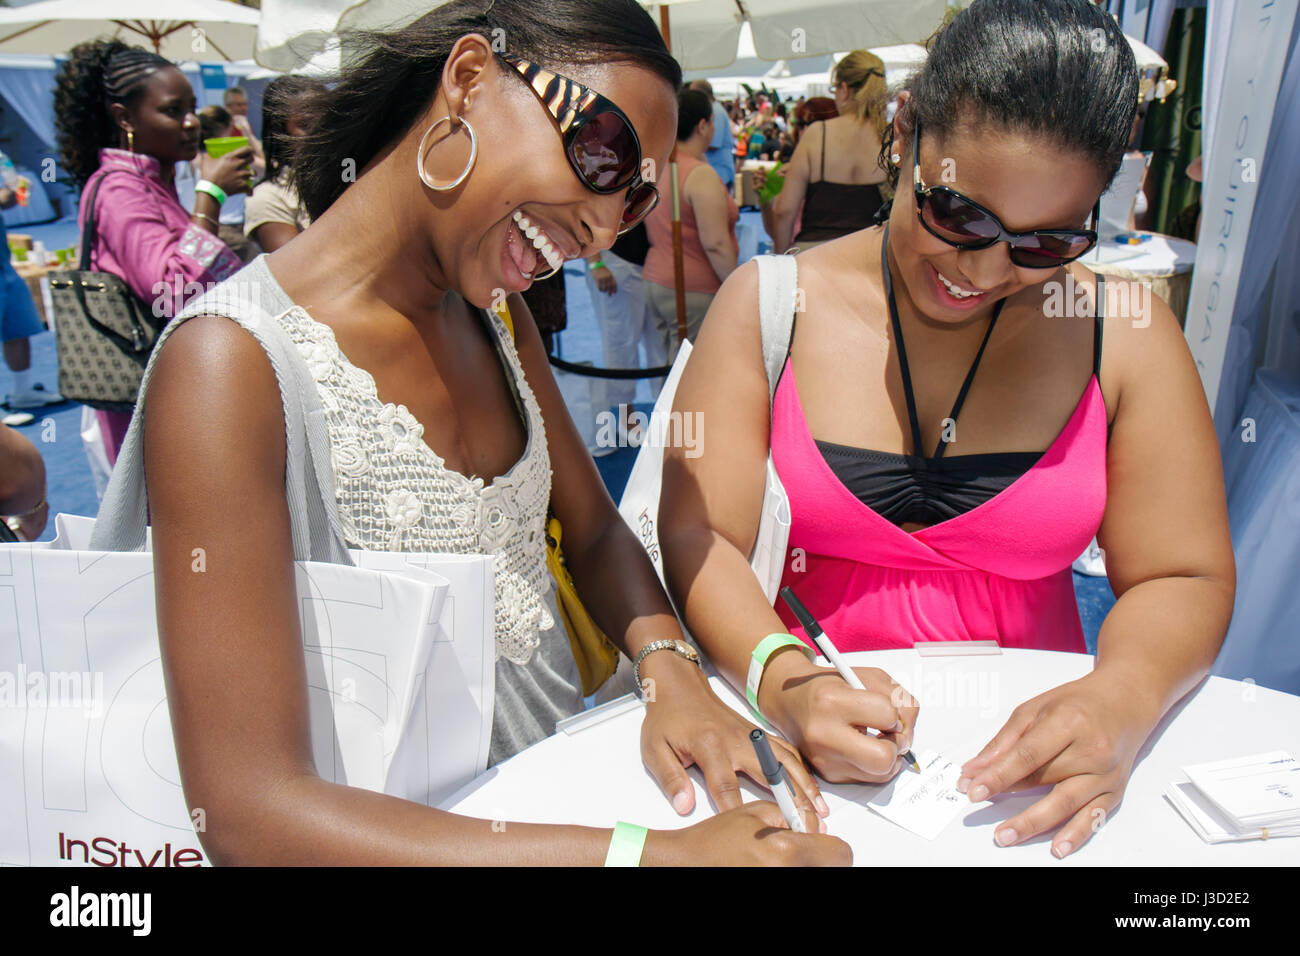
[
  {"x": 829, "y": 651},
  {"x": 777, "y": 781}
]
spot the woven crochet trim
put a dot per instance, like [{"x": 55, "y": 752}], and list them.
[{"x": 395, "y": 493}]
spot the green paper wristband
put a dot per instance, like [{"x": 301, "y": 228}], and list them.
[
  {"x": 758, "y": 661},
  {"x": 626, "y": 844},
  {"x": 212, "y": 189},
  {"x": 598, "y": 264}
]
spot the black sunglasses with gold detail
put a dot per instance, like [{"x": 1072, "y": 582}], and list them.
[
  {"x": 964, "y": 223},
  {"x": 599, "y": 140}
]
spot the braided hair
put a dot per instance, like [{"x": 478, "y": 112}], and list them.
[{"x": 97, "y": 74}]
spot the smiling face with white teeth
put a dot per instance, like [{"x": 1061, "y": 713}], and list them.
[
  {"x": 522, "y": 211},
  {"x": 1027, "y": 180}
]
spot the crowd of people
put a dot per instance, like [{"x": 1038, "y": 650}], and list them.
[
  {"x": 714, "y": 139},
  {"x": 447, "y": 431}
]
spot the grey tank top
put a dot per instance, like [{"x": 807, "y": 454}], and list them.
[{"x": 530, "y": 696}]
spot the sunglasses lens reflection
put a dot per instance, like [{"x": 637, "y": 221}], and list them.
[
  {"x": 1044, "y": 252},
  {"x": 640, "y": 200},
  {"x": 606, "y": 151},
  {"x": 957, "y": 220}
]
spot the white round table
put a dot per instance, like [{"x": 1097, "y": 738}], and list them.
[
  {"x": 593, "y": 774},
  {"x": 1163, "y": 263}
]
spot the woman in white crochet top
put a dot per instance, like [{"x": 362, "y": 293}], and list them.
[{"x": 429, "y": 168}]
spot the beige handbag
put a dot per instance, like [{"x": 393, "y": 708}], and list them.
[{"x": 104, "y": 332}]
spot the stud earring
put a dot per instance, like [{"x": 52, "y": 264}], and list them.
[
  {"x": 895, "y": 158},
  {"x": 130, "y": 140}
]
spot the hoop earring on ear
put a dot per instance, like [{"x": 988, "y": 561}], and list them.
[
  {"x": 548, "y": 275},
  {"x": 419, "y": 157}
]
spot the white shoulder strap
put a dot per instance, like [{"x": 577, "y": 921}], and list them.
[
  {"x": 777, "y": 284},
  {"x": 309, "y": 475}
]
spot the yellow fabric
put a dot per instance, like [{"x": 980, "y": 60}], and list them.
[
  {"x": 595, "y": 654},
  {"x": 503, "y": 310}
]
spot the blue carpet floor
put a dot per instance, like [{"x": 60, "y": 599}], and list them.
[{"x": 56, "y": 430}]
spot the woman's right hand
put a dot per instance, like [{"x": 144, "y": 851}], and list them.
[
  {"x": 823, "y": 716},
  {"x": 754, "y": 834},
  {"x": 231, "y": 172},
  {"x": 605, "y": 280}
]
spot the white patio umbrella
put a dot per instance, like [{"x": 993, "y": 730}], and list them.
[
  {"x": 808, "y": 76},
  {"x": 207, "y": 30},
  {"x": 706, "y": 34}
]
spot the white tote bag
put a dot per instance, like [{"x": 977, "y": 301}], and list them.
[
  {"x": 399, "y": 655},
  {"x": 777, "y": 278}
]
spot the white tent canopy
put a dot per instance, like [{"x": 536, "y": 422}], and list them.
[
  {"x": 705, "y": 34},
  {"x": 791, "y": 78},
  {"x": 212, "y": 30}
]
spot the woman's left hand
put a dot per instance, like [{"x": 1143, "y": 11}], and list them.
[
  {"x": 686, "y": 723},
  {"x": 1083, "y": 737}
]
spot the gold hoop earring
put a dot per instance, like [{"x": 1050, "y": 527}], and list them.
[
  {"x": 419, "y": 157},
  {"x": 548, "y": 275}
]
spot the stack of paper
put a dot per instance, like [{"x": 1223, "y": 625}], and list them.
[{"x": 1248, "y": 798}]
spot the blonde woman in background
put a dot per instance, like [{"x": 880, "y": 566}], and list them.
[{"x": 835, "y": 173}]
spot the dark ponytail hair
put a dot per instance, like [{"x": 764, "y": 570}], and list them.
[
  {"x": 282, "y": 97},
  {"x": 692, "y": 107},
  {"x": 1055, "y": 68},
  {"x": 96, "y": 74},
  {"x": 392, "y": 77}
]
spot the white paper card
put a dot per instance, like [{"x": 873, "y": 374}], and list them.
[
  {"x": 1258, "y": 790},
  {"x": 957, "y": 648},
  {"x": 924, "y": 802},
  {"x": 1210, "y": 824}
]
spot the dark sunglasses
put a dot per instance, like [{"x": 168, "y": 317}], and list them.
[
  {"x": 964, "y": 223},
  {"x": 599, "y": 140}
]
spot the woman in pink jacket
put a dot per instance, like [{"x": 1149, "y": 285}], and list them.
[{"x": 125, "y": 118}]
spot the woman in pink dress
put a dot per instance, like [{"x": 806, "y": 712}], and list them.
[
  {"x": 125, "y": 117},
  {"x": 951, "y": 433}
]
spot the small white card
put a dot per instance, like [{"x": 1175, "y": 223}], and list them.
[
  {"x": 1259, "y": 790},
  {"x": 1209, "y": 822},
  {"x": 926, "y": 802},
  {"x": 956, "y": 648}
]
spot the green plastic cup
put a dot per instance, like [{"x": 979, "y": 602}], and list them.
[{"x": 220, "y": 145}]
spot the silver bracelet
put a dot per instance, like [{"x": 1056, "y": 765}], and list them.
[
  {"x": 680, "y": 647},
  {"x": 30, "y": 512}
]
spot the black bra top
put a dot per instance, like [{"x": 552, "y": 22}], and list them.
[
  {"x": 912, "y": 488},
  {"x": 831, "y": 210}
]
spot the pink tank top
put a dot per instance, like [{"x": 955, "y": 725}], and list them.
[
  {"x": 1000, "y": 571},
  {"x": 697, "y": 269}
]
